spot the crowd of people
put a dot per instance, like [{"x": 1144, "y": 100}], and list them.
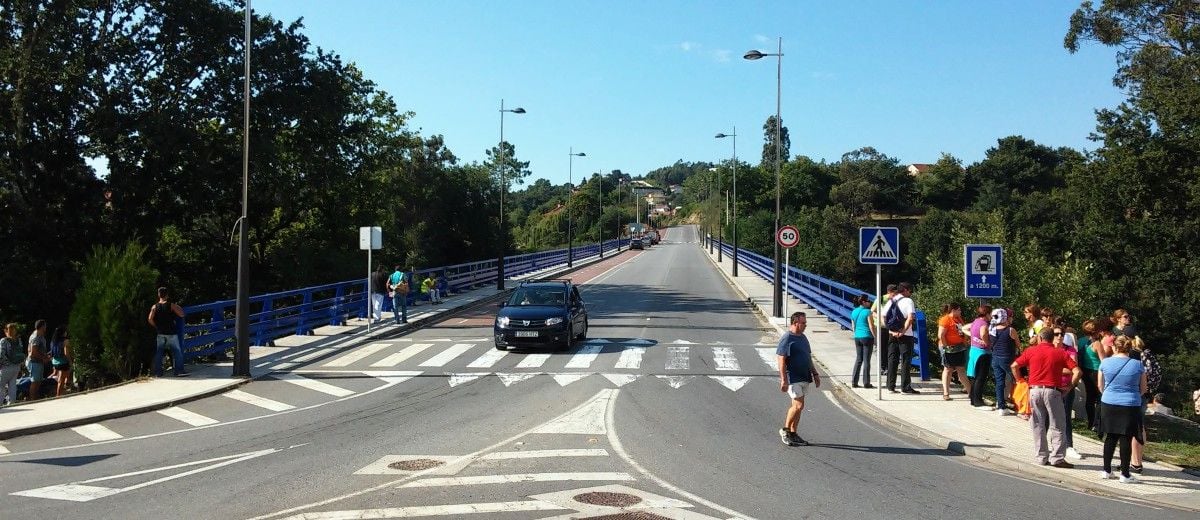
[
  {"x": 1034, "y": 371},
  {"x": 399, "y": 286},
  {"x": 37, "y": 368}
]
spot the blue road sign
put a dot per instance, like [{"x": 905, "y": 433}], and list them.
[
  {"x": 983, "y": 274},
  {"x": 878, "y": 245}
]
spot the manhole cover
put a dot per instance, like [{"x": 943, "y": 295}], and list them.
[
  {"x": 415, "y": 464},
  {"x": 605, "y": 498},
  {"x": 629, "y": 516}
]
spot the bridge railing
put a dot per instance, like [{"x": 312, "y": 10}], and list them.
[
  {"x": 208, "y": 328},
  {"x": 833, "y": 299}
]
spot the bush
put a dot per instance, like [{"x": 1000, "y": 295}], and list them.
[{"x": 109, "y": 335}]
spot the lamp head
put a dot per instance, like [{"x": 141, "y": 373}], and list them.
[
  {"x": 721, "y": 136},
  {"x": 518, "y": 110},
  {"x": 753, "y": 55}
]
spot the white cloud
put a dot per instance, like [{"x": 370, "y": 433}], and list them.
[
  {"x": 762, "y": 39},
  {"x": 688, "y": 46},
  {"x": 722, "y": 55}
]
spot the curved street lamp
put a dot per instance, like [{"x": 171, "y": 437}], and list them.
[
  {"x": 777, "y": 293},
  {"x": 500, "y": 177},
  {"x": 570, "y": 193},
  {"x": 735, "y": 198}
]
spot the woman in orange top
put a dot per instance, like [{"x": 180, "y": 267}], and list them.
[{"x": 953, "y": 348}]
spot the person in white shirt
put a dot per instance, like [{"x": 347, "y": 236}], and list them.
[{"x": 901, "y": 340}]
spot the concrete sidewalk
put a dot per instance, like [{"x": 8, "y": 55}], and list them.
[
  {"x": 150, "y": 394},
  {"x": 985, "y": 436}
]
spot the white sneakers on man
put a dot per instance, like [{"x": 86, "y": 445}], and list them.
[{"x": 1073, "y": 455}]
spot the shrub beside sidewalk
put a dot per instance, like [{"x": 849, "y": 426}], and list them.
[
  {"x": 1172, "y": 440},
  {"x": 109, "y": 335}
]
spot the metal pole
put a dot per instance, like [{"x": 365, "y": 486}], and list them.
[
  {"x": 735, "y": 199},
  {"x": 570, "y": 193},
  {"x": 600, "y": 222},
  {"x": 370, "y": 292},
  {"x": 720, "y": 226},
  {"x": 241, "y": 361},
  {"x": 777, "y": 294},
  {"x": 878, "y": 323},
  {"x": 787, "y": 261},
  {"x": 503, "y": 188}
]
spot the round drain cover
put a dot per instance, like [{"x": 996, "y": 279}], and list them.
[
  {"x": 605, "y": 498},
  {"x": 415, "y": 464}
]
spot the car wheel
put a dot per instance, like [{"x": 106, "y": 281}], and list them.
[
  {"x": 568, "y": 343},
  {"x": 583, "y": 333}
]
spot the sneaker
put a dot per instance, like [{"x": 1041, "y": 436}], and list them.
[
  {"x": 869, "y": 386},
  {"x": 1004, "y": 411},
  {"x": 786, "y": 437},
  {"x": 1106, "y": 475},
  {"x": 1135, "y": 468},
  {"x": 909, "y": 391},
  {"x": 1063, "y": 464},
  {"x": 797, "y": 441},
  {"x": 183, "y": 374},
  {"x": 984, "y": 408},
  {"x": 1074, "y": 455},
  {"x": 1128, "y": 480},
  {"x": 854, "y": 385}
]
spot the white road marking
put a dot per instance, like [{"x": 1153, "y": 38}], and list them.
[
  {"x": 683, "y": 342},
  {"x": 533, "y": 361},
  {"x": 620, "y": 379},
  {"x": 676, "y": 381},
  {"x": 566, "y": 379},
  {"x": 677, "y": 358},
  {"x": 464, "y": 320},
  {"x": 509, "y": 379},
  {"x": 584, "y": 357},
  {"x": 400, "y": 357},
  {"x": 535, "y": 454},
  {"x": 4, "y": 450},
  {"x": 723, "y": 358},
  {"x": 488, "y": 359},
  {"x": 520, "y": 477},
  {"x": 96, "y": 432},
  {"x": 261, "y": 402},
  {"x": 425, "y": 511},
  {"x": 187, "y": 416},
  {"x": 597, "y": 341},
  {"x": 287, "y": 365},
  {"x": 313, "y": 384},
  {"x": 458, "y": 379},
  {"x": 392, "y": 377},
  {"x": 732, "y": 382},
  {"x": 638, "y": 341},
  {"x": 316, "y": 353},
  {"x": 357, "y": 355},
  {"x": 82, "y": 492},
  {"x": 586, "y": 419},
  {"x": 769, "y": 357},
  {"x": 300, "y": 353},
  {"x": 631, "y": 357},
  {"x": 445, "y": 356}
]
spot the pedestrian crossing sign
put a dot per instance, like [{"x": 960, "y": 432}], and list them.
[{"x": 879, "y": 245}]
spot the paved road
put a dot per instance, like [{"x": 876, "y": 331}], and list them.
[{"x": 670, "y": 404}]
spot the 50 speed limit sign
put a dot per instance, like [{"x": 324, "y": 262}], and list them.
[{"x": 788, "y": 237}]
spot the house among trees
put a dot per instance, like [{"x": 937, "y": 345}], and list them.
[{"x": 917, "y": 169}]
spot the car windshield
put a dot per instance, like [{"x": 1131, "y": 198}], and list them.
[{"x": 553, "y": 296}]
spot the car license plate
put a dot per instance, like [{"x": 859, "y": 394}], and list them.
[{"x": 527, "y": 333}]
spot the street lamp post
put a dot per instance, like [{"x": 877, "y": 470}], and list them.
[
  {"x": 241, "y": 320},
  {"x": 735, "y": 199},
  {"x": 570, "y": 192},
  {"x": 503, "y": 188},
  {"x": 620, "y": 212},
  {"x": 600, "y": 218},
  {"x": 777, "y": 294}
]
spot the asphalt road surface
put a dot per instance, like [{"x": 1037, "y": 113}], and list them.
[{"x": 671, "y": 410}]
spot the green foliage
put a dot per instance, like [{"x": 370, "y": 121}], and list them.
[
  {"x": 110, "y": 338},
  {"x": 771, "y": 152}
]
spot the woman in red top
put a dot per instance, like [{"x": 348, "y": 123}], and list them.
[{"x": 953, "y": 348}]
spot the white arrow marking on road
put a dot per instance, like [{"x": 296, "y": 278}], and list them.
[
  {"x": 620, "y": 379},
  {"x": 96, "y": 432},
  {"x": 769, "y": 357},
  {"x": 313, "y": 384},
  {"x": 458, "y": 379},
  {"x": 392, "y": 377},
  {"x": 445, "y": 356},
  {"x": 187, "y": 416},
  {"x": 533, "y": 361},
  {"x": 509, "y": 379},
  {"x": 732, "y": 382},
  {"x": 587, "y": 419},
  {"x": 678, "y": 358},
  {"x": 676, "y": 381},
  {"x": 488, "y": 359},
  {"x": 724, "y": 359},
  {"x": 585, "y": 356},
  {"x": 357, "y": 355},
  {"x": 683, "y": 342},
  {"x": 631, "y": 357},
  {"x": 566, "y": 379},
  {"x": 519, "y": 477},
  {"x": 537, "y": 454},
  {"x": 638, "y": 341},
  {"x": 82, "y": 492},
  {"x": 261, "y": 402},
  {"x": 598, "y": 341},
  {"x": 424, "y": 511}
]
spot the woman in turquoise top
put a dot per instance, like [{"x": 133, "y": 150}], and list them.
[
  {"x": 1122, "y": 381},
  {"x": 864, "y": 342},
  {"x": 1089, "y": 362}
]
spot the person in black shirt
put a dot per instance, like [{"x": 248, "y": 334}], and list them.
[{"x": 164, "y": 317}]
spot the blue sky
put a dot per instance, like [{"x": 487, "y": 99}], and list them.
[{"x": 640, "y": 84}]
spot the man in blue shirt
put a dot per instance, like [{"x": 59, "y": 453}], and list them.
[{"x": 796, "y": 373}]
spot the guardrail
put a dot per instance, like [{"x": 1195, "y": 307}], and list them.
[
  {"x": 833, "y": 299},
  {"x": 208, "y": 328}
]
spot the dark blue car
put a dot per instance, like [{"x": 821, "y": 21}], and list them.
[{"x": 541, "y": 313}]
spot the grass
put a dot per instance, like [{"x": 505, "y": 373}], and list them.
[{"x": 1171, "y": 440}]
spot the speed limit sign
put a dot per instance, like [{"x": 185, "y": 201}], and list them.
[{"x": 788, "y": 237}]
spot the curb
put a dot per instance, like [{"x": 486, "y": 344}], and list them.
[{"x": 841, "y": 393}]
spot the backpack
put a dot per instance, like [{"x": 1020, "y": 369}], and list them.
[
  {"x": 1153, "y": 371},
  {"x": 894, "y": 318}
]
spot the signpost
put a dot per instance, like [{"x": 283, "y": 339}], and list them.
[
  {"x": 879, "y": 246},
  {"x": 983, "y": 272},
  {"x": 370, "y": 238},
  {"x": 788, "y": 237}
]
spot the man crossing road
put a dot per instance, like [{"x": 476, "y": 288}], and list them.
[{"x": 796, "y": 373}]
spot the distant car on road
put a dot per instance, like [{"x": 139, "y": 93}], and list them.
[
  {"x": 541, "y": 313},
  {"x": 637, "y": 243}
]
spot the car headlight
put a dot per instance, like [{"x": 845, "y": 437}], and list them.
[
  {"x": 554, "y": 321},
  {"x": 502, "y": 322}
]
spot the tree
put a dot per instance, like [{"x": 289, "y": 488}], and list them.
[
  {"x": 769, "y": 152},
  {"x": 944, "y": 185}
]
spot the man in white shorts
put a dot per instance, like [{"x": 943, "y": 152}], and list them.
[{"x": 796, "y": 373}]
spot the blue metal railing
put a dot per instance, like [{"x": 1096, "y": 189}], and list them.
[
  {"x": 833, "y": 299},
  {"x": 208, "y": 328}
]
